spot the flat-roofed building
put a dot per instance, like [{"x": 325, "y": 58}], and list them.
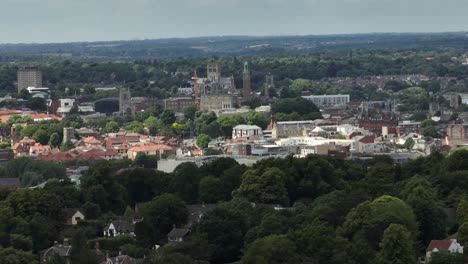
[
  {"x": 247, "y": 131},
  {"x": 328, "y": 100},
  {"x": 29, "y": 77}
]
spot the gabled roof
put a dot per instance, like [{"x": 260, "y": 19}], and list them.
[
  {"x": 178, "y": 232},
  {"x": 60, "y": 156},
  {"x": 440, "y": 245},
  {"x": 61, "y": 250},
  {"x": 91, "y": 140},
  {"x": 196, "y": 211},
  {"x": 150, "y": 148},
  {"x": 70, "y": 212},
  {"x": 123, "y": 224}
]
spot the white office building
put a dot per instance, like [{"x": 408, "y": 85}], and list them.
[{"x": 328, "y": 100}]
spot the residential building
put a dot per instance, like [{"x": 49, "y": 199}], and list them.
[
  {"x": 449, "y": 245},
  {"x": 62, "y": 251},
  {"x": 73, "y": 215},
  {"x": 38, "y": 149},
  {"x": 21, "y": 148},
  {"x": 29, "y": 77},
  {"x": 123, "y": 225},
  {"x": 328, "y": 100},
  {"x": 158, "y": 150},
  {"x": 178, "y": 235}
]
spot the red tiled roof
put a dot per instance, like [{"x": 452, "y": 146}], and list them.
[
  {"x": 115, "y": 140},
  {"x": 60, "y": 156},
  {"x": 45, "y": 116},
  {"x": 441, "y": 245},
  {"x": 28, "y": 140},
  {"x": 96, "y": 154},
  {"x": 91, "y": 140},
  {"x": 150, "y": 148}
]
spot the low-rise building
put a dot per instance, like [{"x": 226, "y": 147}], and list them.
[
  {"x": 449, "y": 245},
  {"x": 292, "y": 128},
  {"x": 73, "y": 215},
  {"x": 247, "y": 132},
  {"x": 328, "y": 100},
  {"x": 61, "y": 251},
  {"x": 123, "y": 225},
  {"x": 150, "y": 150}
]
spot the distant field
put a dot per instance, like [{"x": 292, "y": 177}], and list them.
[{"x": 226, "y": 46}]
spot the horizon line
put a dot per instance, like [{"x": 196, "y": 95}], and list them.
[{"x": 233, "y": 36}]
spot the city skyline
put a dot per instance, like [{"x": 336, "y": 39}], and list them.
[{"x": 48, "y": 21}]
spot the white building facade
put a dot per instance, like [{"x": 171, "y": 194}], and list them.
[{"x": 328, "y": 100}]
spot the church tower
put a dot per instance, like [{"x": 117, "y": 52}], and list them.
[
  {"x": 214, "y": 74},
  {"x": 125, "y": 102},
  {"x": 246, "y": 90}
]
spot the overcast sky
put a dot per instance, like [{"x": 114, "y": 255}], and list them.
[{"x": 90, "y": 20}]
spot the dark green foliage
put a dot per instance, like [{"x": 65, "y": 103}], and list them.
[
  {"x": 295, "y": 109},
  {"x": 444, "y": 257},
  {"x": 185, "y": 181},
  {"x": 225, "y": 230},
  {"x": 203, "y": 140},
  {"x": 145, "y": 161},
  {"x": 341, "y": 211},
  {"x": 142, "y": 184},
  {"x": 36, "y": 104},
  {"x": 32, "y": 172},
  {"x": 396, "y": 246},
  {"x": 273, "y": 249},
  {"x": 13, "y": 256},
  {"x": 160, "y": 215},
  {"x": 268, "y": 187}
]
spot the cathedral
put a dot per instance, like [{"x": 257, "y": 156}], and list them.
[{"x": 220, "y": 93}]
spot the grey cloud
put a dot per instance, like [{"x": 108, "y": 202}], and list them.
[{"x": 74, "y": 20}]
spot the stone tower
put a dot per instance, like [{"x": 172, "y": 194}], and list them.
[
  {"x": 246, "y": 89},
  {"x": 125, "y": 102},
  {"x": 213, "y": 72},
  {"x": 68, "y": 134}
]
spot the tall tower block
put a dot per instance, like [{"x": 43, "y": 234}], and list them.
[
  {"x": 246, "y": 89},
  {"x": 29, "y": 76}
]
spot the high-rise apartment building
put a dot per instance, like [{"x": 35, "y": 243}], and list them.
[{"x": 29, "y": 77}]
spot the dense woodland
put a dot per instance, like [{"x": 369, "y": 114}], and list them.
[
  {"x": 224, "y": 46},
  {"x": 335, "y": 211},
  {"x": 157, "y": 77}
]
